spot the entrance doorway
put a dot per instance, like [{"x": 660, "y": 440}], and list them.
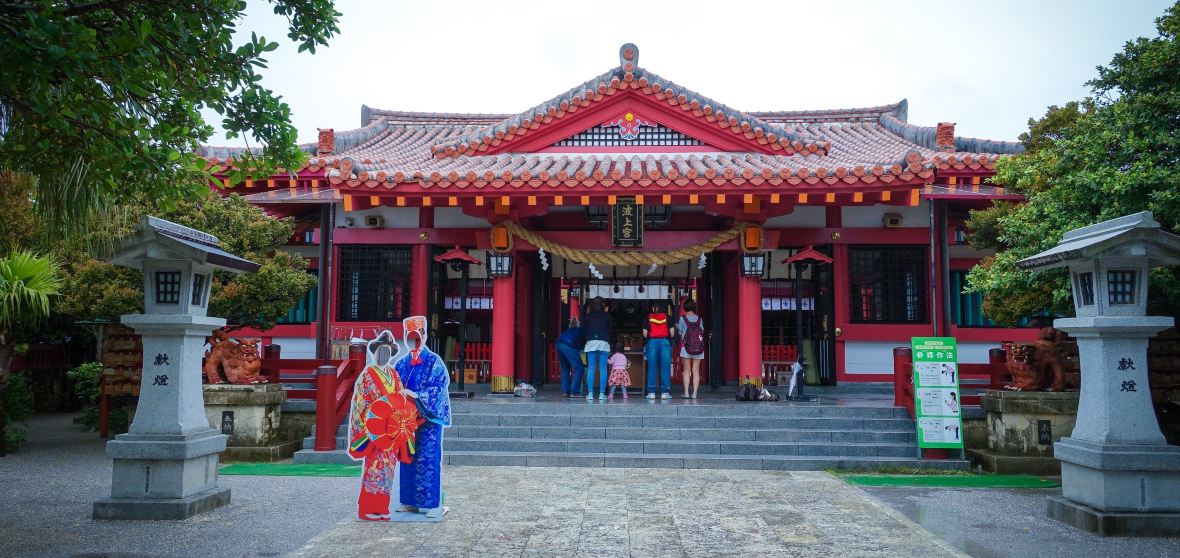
[{"x": 628, "y": 300}]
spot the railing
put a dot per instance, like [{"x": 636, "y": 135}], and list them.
[
  {"x": 478, "y": 358},
  {"x": 329, "y": 384},
  {"x": 777, "y": 359},
  {"x": 993, "y": 375},
  {"x": 42, "y": 356}
]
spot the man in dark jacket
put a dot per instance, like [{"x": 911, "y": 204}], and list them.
[{"x": 569, "y": 357}]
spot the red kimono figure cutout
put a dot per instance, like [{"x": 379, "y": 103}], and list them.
[
  {"x": 426, "y": 380},
  {"x": 382, "y": 428}
]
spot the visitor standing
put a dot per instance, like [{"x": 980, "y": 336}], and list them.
[
  {"x": 619, "y": 376},
  {"x": 658, "y": 351},
  {"x": 569, "y": 358},
  {"x": 597, "y": 326},
  {"x": 692, "y": 347}
]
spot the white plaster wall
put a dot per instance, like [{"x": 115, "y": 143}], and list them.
[
  {"x": 395, "y": 217},
  {"x": 869, "y": 216},
  {"x": 876, "y": 357},
  {"x": 975, "y": 353},
  {"x": 804, "y": 217},
  {"x": 295, "y": 347},
  {"x": 870, "y": 357},
  {"x": 453, "y": 217}
]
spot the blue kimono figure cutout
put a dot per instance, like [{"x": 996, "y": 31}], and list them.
[{"x": 425, "y": 378}]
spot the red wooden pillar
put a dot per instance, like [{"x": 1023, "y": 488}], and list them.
[
  {"x": 729, "y": 339},
  {"x": 842, "y": 310},
  {"x": 503, "y": 336},
  {"x": 420, "y": 267},
  {"x": 524, "y": 320},
  {"x": 749, "y": 303},
  {"x": 419, "y": 279},
  {"x": 325, "y": 408}
]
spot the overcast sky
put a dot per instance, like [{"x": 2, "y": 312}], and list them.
[{"x": 986, "y": 65}]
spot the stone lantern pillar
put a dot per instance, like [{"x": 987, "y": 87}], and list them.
[
  {"x": 165, "y": 466},
  {"x": 1118, "y": 475}
]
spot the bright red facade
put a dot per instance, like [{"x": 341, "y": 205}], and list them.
[{"x": 884, "y": 199}]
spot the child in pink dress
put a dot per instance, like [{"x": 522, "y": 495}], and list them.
[{"x": 618, "y": 371}]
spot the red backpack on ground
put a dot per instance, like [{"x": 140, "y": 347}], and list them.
[{"x": 694, "y": 336}]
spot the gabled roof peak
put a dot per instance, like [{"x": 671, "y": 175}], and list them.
[{"x": 764, "y": 136}]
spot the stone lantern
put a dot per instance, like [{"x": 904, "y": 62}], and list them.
[
  {"x": 1118, "y": 475},
  {"x": 165, "y": 466}
]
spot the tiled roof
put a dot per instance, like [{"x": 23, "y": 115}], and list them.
[{"x": 843, "y": 147}]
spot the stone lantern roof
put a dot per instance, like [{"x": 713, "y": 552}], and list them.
[
  {"x": 1132, "y": 236},
  {"x": 157, "y": 238}
]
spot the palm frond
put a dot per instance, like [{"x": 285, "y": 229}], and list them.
[{"x": 27, "y": 280}]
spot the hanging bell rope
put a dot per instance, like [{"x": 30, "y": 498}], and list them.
[{"x": 624, "y": 257}]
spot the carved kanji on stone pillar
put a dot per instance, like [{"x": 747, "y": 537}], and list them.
[
  {"x": 944, "y": 136},
  {"x": 327, "y": 141}
]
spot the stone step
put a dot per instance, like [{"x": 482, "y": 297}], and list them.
[
  {"x": 610, "y": 435},
  {"x": 735, "y": 461},
  {"x": 578, "y": 406},
  {"x": 649, "y": 421},
  {"x": 677, "y": 447},
  {"x": 907, "y": 435},
  {"x": 308, "y": 456}
]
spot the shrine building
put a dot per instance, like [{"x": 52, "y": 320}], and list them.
[{"x": 836, "y": 232}]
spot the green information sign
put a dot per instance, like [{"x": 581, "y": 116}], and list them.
[{"x": 936, "y": 392}]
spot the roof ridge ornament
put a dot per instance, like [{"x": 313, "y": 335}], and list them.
[{"x": 629, "y": 57}]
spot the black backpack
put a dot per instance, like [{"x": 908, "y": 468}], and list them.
[
  {"x": 694, "y": 336},
  {"x": 747, "y": 392}
]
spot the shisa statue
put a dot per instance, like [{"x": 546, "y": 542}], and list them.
[
  {"x": 381, "y": 429},
  {"x": 233, "y": 361},
  {"x": 1039, "y": 365},
  {"x": 1049, "y": 358}
]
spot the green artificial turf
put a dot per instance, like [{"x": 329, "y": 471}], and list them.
[
  {"x": 948, "y": 481},
  {"x": 292, "y": 470}
]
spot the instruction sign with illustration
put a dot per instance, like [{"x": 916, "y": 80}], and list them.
[{"x": 936, "y": 392}]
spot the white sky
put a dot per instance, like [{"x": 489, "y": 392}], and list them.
[{"x": 987, "y": 66}]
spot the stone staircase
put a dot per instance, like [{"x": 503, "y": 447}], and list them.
[{"x": 698, "y": 434}]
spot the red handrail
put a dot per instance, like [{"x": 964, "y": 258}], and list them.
[
  {"x": 992, "y": 375},
  {"x": 903, "y": 379}
]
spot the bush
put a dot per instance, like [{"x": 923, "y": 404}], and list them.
[
  {"x": 18, "y": 406},
  {"x": 87, "y": 378}
]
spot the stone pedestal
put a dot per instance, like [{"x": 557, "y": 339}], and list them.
[
  {"x": 166, "y": 465},
  {"x": 1021, "y": 429},
  {"x": 251, "y": 416},
  {"x": 1118, "y": 475}
]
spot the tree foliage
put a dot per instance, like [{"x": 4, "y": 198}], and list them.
[
  {"x": 100, "y": 100},
  {"x": 1087, "y": 161},
  {"x": 18, "y": 226},
  {"x": 99, "y": 290}
]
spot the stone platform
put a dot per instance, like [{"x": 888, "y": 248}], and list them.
[
  {"x": 251, "y": 417},
  {"x": 1021, "y": 429}
]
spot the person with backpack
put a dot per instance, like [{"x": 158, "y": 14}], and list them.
[
  {"x": 658, "y": 351},
  {"x": 692, "y": 347}
]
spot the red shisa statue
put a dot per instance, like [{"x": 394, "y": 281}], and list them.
[
  {"x": 235, "y": 359},
  {"x": 1039, "y": 365}
]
